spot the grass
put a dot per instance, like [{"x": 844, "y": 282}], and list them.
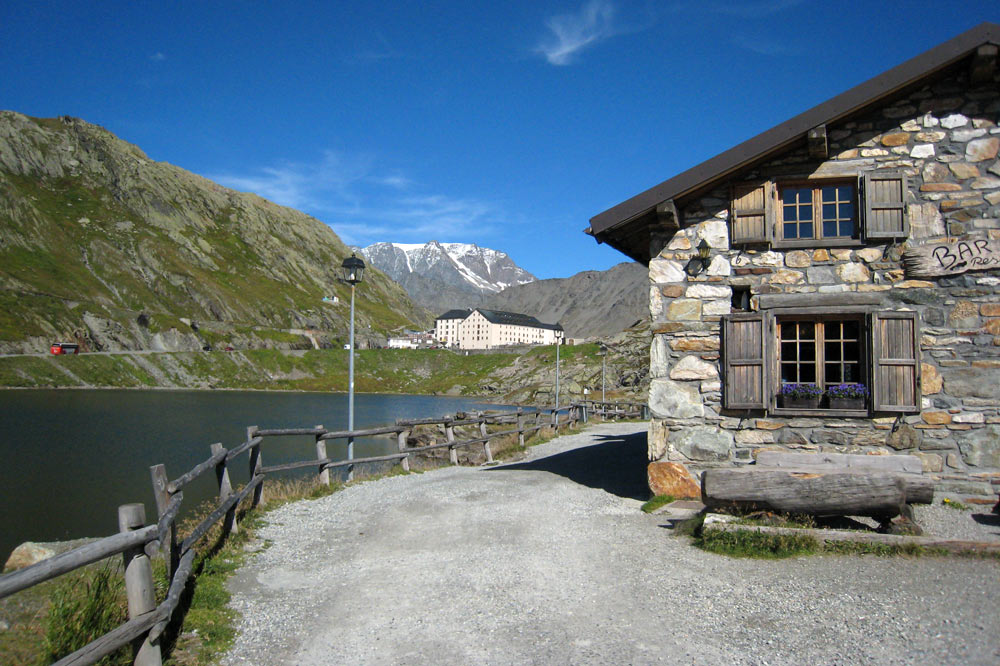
[
  {"x": 748, "y": 543},
  {"x": 655, "y": 503},
  {"x": 955, "y": 504}
]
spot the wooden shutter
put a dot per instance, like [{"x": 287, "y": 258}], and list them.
[
  {"x": 895, "y": 344},
  {"x": 751, "y": 213},
  {"x": 884, "y": 204},
  {"x": 743, "y": 385}
]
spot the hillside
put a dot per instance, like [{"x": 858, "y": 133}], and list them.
[
  {"x": 522, "y": 378},
  {"x": 442, "y": 276},
  {"x": 101, "y": 245},
  {"x": 588, "y": 304}
]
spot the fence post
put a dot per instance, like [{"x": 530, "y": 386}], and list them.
[
  {"x": 324, "y": 472},
  {"x": 483, "y": 433},
  {"x": 229, "y": 526},
  {"x": 449, "y": 431},
  {"x": 555, "y": 421},
  {"x": 520, "y": 427},
  {"x": 256, "y": 463},
  {"x": 138, "y": 584},
  {"x": 401, "y": 441},
  {"x": 160, "y": 481},
  {"x": 583, "y": 412}
]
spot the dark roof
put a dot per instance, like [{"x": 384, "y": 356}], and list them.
[
  {"x": 609, "y": 226},
  {"x": 454, "y": 314},
  {"x": 516, "y": 319}
]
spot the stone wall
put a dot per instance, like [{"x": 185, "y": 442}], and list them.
[{"x": 945, "y": 137}]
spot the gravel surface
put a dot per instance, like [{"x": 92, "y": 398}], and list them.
[{"x": 549, "y": 560}]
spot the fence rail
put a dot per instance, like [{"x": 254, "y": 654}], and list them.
[{"x": 136, "y": 541}]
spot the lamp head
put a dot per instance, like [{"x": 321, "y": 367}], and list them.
[{"x": 353, "y": 270}]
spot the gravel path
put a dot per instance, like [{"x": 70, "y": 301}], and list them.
[{"x": 550, "y": 561}]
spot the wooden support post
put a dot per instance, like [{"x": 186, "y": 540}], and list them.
[
  {"x": 483, "y": 433},
  {"x": 229, "y": 525},
  {"x": 160, "y": 481},
  {"x": 256, "y": 463},
  {"x": 138, "y": 584},
  {"x": 449, "y": 431},
  {"x": 555, "y": 420},
  {"x": 520, "y": 427},
  {"x": 323, "y": 474},
  {"x": 401, "y": 442}
]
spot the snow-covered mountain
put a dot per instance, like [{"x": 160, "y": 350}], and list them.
[{"x": 442, "y": 276}]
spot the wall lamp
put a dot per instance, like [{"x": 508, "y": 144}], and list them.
[{"x": 700, "y": 262}]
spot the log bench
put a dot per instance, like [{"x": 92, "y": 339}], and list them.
[{"x": 821, "y": 484}]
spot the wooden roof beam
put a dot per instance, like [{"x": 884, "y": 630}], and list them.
[{"x": 984, "y": 64}]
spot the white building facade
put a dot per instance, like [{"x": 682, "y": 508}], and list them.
[{"x": 489, "y": 329}]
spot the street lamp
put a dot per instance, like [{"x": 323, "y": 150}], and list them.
[
  {"x": 604, "y": 358},
  {"x": 352, "y": 271}
]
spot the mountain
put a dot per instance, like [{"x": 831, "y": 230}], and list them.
[
  {"x": 442, "y": 276},
  {"x": 588, "y": 304},
  {"x": 102, "y": 245}
]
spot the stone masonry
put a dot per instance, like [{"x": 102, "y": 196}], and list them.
[{"x": 944, "y": 136}]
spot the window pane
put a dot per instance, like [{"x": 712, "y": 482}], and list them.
[
  {"x": 789, "y": 351},
  {"x": 845, "y": 192},
  {"x": 788, "y": 195},
  {"x": 807, "y": 330},
  {"x": 847, "y": 228},
  {"x": 806, "y": 230},
  {"x": 833, "y": 374},
  {"x": 851, "y": 329},
  {"x": 788, "y": 373},
  {"x": 807, "y": 351},
  {"x": 791, "y": 231},
  {"x": 832, "y": 351},
  {"x": 808, "y": 373},
  {"x": 790, "y": 213},
  {"x": 852, "y": 351},
  {"x": 829, "y": 228},
  {"x": 829, "y": 211},
  {"x": 851, "y": 373},
  {"x": 845, "y": 211},
  {"x": 829, "y": 193},
  {"x": 805, "y": 196}
]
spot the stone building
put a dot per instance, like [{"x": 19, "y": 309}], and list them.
[
  {"x": 489, "y": 329},
  {"x": 856, "y": 244}
]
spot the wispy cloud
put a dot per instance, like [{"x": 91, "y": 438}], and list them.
[
  {"x": 384, "y": 50},
  {"x": 363, "y": 204},
  {"x": 763, "y": 46},
  {"x": 571, "y": 33},
  {"x": 158, "y": 57}
]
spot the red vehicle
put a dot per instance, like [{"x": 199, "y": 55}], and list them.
[{"x": 60, "y": 348}]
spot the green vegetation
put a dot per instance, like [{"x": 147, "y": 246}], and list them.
[
  {"x": 655, "y": 503},
  {"x": 955, "y": 504},
  {"x": 749, "y": 543}
]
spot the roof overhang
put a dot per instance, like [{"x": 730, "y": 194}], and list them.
[{"x": 631, "y": 225}]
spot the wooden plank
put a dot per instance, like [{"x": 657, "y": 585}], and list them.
[
  {"x": 109, "y": 642},
  {"x": 846, "y": 299},
  {"x": 74, "y": 559},
  {"x": 909, "y": 464},
  {"x": 370, "y": 432},
  {"x": 138, "y": 574},
  {"x": 818, "y": 493},
  {"x": 857, "y": 536},
  {"x": 177, "y": 583},
  {"x": 936, "y": 259},
  {"x": 250, "y": 443},
  {"x": 279, "y": 432},
  {"x": 328, "y": 462},
  {"x": 214, "y": 517}
]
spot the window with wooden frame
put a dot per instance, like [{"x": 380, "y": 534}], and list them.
[
  {"x": 820, "y": 212},
  {"x": 762, "y": 352}
]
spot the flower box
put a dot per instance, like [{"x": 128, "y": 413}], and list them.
[
  {"x": 804, "y": 402},
  {"x": 847, "y": 403}
]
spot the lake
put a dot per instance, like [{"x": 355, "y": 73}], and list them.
[{"x": 71, "y": 457}]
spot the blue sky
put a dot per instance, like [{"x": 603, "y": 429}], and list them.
[{"x": 504, "y": 124}]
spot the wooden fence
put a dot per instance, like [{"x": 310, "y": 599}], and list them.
[
  {"x": 613, "y": 411},
  {"x": 136, "y": 541}
]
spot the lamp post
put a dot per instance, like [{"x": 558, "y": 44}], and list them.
[
  {"x": 352, "y": 271},
  {"x": 557, "y": 377},
  {"x": 604, "y": 362}
]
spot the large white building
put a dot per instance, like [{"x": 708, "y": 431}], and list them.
[{"x": 489, "y": 329}]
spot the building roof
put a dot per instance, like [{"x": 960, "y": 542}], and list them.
[
  {"x": 516, "y": 319},
  {"x": 622, "y": 226},
  {"x": 454, "y": 314}
]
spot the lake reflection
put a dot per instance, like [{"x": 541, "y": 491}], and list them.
[{"x": 71, "y": 457}]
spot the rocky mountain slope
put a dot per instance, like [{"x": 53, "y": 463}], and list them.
[
  {"x": 588, "y": 304},
  {"x": 442, "y": 276},
  {"x": 101, "y": 245}
]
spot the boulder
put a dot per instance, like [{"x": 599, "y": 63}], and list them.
[{"x": 669, "y": 478}]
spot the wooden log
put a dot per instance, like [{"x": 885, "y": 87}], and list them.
[
  {"x": 520, "y": 427},
  {"x": 233, "y": 500},
  {"x": 415, "y": 422},
  {"x": 328, "y": 463},
  {"x": 449, "y": 431},
  {"x": 197, "y": 470},
  {"x": 177, "y": 583},
  {"x": 323, "y": 475},
  {"x": 369, "y": 432},
  {"x": 229, "y": 526},
  {"x": 857, "y": 536},
  {"x": 240, "y": 448},
  {"x": 168, "y": 537},
  {"x": 787, "y": 459},
  {"x": 820, "y": 493},
  {"x": 73, "y": 559},
  {"x": 486, "y": 439},
  {"x": 138, "y": 585},
  {"x": 401, "y": 444},
  {"x": 93, "y": 652},
  {"x": 279, "y": 432}
]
